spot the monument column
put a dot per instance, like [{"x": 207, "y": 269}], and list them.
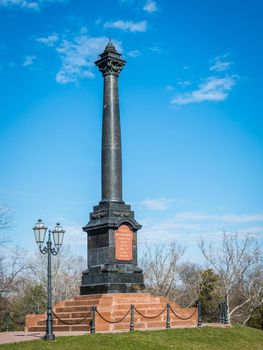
[
  {"x": 110, "y": 64},
  {"x": 112, "y": 228}
]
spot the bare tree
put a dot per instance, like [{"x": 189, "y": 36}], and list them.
[
  {"x": 66, "y": 273},
  {"x": 238, "y": 262},
  {"x": 23, "y": 280},
  {"x": 6, "y": 216},
  {"x": 12, "y": 260},
  {"x": 13, "y": 263},
  {"x": 189, "y": 284},
  {"x": 161, "y": 267},
  {"x": 250, "y": 293}
]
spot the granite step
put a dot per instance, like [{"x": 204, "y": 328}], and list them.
[
  {"x": 72, "y": 309},
  {"x": 87, "y": 297},
  {"x": 68, "y": 321},
  {"x": 42, "y": 329},
  {"x": 82, "y": 302},
  {"x": 113, "y": 307}
]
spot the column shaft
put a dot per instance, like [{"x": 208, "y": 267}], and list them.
[{"x": 111, "y": 142}]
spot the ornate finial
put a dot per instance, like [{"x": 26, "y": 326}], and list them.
[
  {"x": 110, "y": 47},
  {"x": 110, "y": 61}
]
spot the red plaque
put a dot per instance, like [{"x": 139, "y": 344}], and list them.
[{"x": 123, "y": 243}]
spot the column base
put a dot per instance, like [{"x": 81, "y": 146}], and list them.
[{"x": 101, "y": 283}]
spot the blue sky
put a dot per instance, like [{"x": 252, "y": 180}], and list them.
[{"x": 191, "y": 114}]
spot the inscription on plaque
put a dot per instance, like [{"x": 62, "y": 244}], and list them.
[{"x": 123, "y": 243}]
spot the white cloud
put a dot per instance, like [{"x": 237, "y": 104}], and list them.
[
  {"x": 220, "y": 63},
  {"x": 78, "y": 56},
  {"x": 155, "y": 49},
  {"x": 50, "y": 40},
  {"x": 28, "y": 61},
  {"x": 127, "y": 2},
  {"x": 150, "y": 6},
  {"x": 75, "y": 235},
  {"x": 158, "y": 204},
  {"x": 213, "y": 89},
  {"x": 233, "y": 218},
  {"x": 221, "y": 66},
  {"x": 254, "y": 230},
  {"x": 28, "y": 4},
  {"x": 134, "y": 53},
  {"x": 190, "y": 226},
  {"x": 184, "y": 83},
  {"x": 224, "y": 218},
  {"x": 127, "y": 25},
  {"x": 169, "y": 88}
]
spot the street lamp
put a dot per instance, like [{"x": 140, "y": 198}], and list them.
[{"x": 58, "y": 233}]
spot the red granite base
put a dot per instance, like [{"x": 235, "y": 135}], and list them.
[{"x": 113, "y": 307}]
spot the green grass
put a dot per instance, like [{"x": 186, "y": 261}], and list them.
[{"x": 236, "y": 338}]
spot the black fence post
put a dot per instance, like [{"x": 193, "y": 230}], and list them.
[
  {"x": 199, "y": 311},
  {"x": 93, "y": 320},
  {"x": 6, "y": 321},
  {"x": 168, "y": 322},
  {"x": 226, "y": 313},
  {"x": 220, "y": 317},
  {"x": 223, "y": 313},
  {"x": 132, "y": 318}
]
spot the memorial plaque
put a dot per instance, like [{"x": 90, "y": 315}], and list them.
[{"x": 123, "y": 243}]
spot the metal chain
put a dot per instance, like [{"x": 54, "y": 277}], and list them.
[
  {"x": 150, "y": 317},
  {"x": 70, "y": 322},
  {"x": 121, "y": 319},
  {"x": 104, "y": 319},
  {"x": 182, "y": 318}
]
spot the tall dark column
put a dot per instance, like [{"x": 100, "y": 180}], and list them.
[
  {"x": 112, "y": 229},
  {"x": 110, "y": 64}
]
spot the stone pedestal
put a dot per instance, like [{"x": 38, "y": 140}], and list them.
[
  {"x": 75, "y": 314},
  {"x": 112, "y": 251}
]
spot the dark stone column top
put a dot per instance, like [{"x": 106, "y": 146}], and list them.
[{"x": 110, "y": 61}]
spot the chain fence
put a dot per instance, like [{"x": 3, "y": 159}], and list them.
[
  {"x": 150, "y": 317},
  {"x": 220, "y": 314},
  {"x": 108, "y": 321},
  {"x": 70, "y": 323},
  {"x": 132, "y": 310},
  {"x": 183, "y": 318}
]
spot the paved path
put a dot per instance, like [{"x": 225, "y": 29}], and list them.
[{"x": 14, "y": 337}]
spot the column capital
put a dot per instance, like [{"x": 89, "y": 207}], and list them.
[{"x": 110, "y": 61}]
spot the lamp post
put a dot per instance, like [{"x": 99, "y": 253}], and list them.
[{"x": 58, "y": 233}]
